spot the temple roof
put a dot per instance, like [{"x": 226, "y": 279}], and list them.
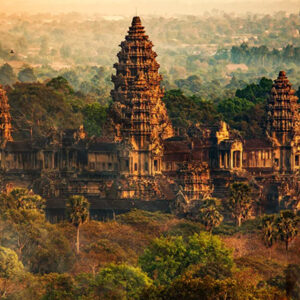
[{"x": 252, "y": 144}]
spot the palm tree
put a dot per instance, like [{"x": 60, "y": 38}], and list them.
[
  {"x": 287, "y": 222},
  {"x": 269, "y": 231},
  {"x": 239, "y": 203},
  {"x": 77, "y": 209},
  {"x": 209, "y": 215}
]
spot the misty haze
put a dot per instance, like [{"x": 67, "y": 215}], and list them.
[{"x": 149, "y": 150}]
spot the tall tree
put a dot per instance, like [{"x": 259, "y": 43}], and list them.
[
  {"x": 287, "y": 226},
  {"x": 7, "y": 75},
  {"x": 27, "y": 75},
  {"x": 77, "y": 208},
  {"x": 209, "y": 215},
  {"x": 269, "y": 230},
  {"x": 239, "y": 203},
  {"x": 10, "y": 267}
]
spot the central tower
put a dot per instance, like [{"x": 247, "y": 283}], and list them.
[
  {"x": 139, "y": 116},
  {"x": 283, "y": 125}
]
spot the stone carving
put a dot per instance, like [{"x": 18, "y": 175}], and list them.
[{"x": 5, "y": 118}]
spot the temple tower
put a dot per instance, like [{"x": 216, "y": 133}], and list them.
[
  {"x": 139, "y": 116},
  {"x": 283, "y": 123},
  {"x": 5, "y": 118}
]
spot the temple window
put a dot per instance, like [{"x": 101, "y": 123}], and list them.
[
  {"x": 146, "y": 166},
  {"x": 109, "y": 166},
  {"x": 297, "y": 160},
  {"x": 127, "y": 164},
  {"x": 135, "y": 167},
  {"x": 155, "y": 165}
]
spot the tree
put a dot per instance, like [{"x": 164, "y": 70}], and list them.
[
  {"x": 38, "y": 109},
  {"x": 61, "y": 84},
  {"x": 195, "y": 288},
  {"x": 59, "y": 286},
  {"x": 94, "y": 117},
  {"x": 77, "y": 209},
  {"x": 20, "y": 198},
  {"x": 239, "y": 202},
  {"x": 286, "y": 223},
  {"x": 7, "y": 75},
  {"x": 121, "y": 282},
  {"x": 168, "y": 257},
  {"x": 269, "y": 230},
  {"x": 27, "y": 75},
  {"x": 41, "y": 247},
  {"x": 209, "y": 215},
  {"x": 10, "y": 266}
]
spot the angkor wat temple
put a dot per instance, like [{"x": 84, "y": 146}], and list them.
[{"x": 141, "y": 163}]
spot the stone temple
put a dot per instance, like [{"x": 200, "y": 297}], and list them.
[{"x": 141, "y": 163}]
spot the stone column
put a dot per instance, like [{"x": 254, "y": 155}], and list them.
[{"x": 241, "y": 160}]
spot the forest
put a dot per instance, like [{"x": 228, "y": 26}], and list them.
[{"x": 144, "y": 255}]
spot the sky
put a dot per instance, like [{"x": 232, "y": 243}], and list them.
[{"x": 147, "y": 7}]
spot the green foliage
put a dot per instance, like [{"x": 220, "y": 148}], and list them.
[
  {"x": 59, "y": 286},
  {"x": 27, "y": 75},
  {"x": 40, "y": 245},
  {"x": 262, "y": 55},
  {"x": 193, "y": 289},
  {"x": 36, "y": 109},
  {"x": 166, "y": 258},
  {"x": 286, "y": 223},
  {"x": 239, "y": 203},
  {"x": 23, "y": 228},
  {"x": 232, "y": 107},
  {"x": 142, "y": 218},
  {"x": 256, "y": 93},
  {"x": 60, "y": 84},
  {"x": 269, "y": 230},
  {"x": 20, "y": 198},
  {"x": 247, "y": 227},
  {"x": 209, "y": 215},
  {"x": 10, "y": 266},
  {"x": 77, "y": 210},
  {"x": 121, "y": 282},
  {"x": 184, "y": 111},
  {"x": 94, "y": 115},
  {"x": 7, "y": 75},
  {"x": 185, "y": 229}
]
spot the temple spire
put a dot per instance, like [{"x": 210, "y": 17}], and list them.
[
  {"x": 137, "y": 91},
  {"x": 283, "y": 110}
]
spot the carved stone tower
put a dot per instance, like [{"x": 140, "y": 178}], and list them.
[
  {"x": 5, "y": 118},
  {"x": 283, "y": 115},
  {"x": 139, "y": 116},
  {"x": 283, "y": 123}
]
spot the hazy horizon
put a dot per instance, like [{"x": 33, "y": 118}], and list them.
[{"x": 143, "y": 7}]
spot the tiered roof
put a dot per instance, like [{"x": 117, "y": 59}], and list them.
[
  {"x": 5, "y": 118},
  {"x": 283, "y": 109},
  {"x": 137, "y": 90}
]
